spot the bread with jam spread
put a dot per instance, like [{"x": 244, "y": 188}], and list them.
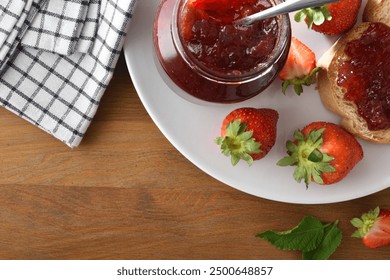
[{"x": 332, "y": 95}]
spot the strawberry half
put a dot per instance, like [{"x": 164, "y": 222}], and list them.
[
  {"x": 373, "y": 227},
  {"x": 248, "y": 134},
  {"x": 322, "y": 152},
  {"x": 331, "y": 19},
  {"x": 300, "y": 67}
]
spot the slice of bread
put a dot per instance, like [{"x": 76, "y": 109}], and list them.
[
  {"x": 332, "y": 95},
  {"x": 377, "y": 10}
]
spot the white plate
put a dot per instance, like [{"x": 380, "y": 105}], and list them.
[{"x": 191, "y": 128}]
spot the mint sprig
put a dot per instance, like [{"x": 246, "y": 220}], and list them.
[
  {"x": 316, "y": 240},
  {"x": 329, "y": 243}
]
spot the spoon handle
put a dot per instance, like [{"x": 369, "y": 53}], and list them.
[{"x": 283, "y": 8}]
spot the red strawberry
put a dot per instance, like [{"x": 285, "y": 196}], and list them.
[
  {"x": 248, "y": 134},
  {"x": 323, "y": 152},
  {"x": 373, "y": 227},
  {"x": 300, "y": 67},
  {"x": 331, "y": 19}
]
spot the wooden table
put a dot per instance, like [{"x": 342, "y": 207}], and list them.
[{"x": 127, "y": 193}]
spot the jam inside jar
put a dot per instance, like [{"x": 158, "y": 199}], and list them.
[
  {"x": 209, "y": 57},
  {"x": 365, "y": 76}
]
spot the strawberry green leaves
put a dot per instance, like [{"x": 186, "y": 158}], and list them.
[
  {"x": 248, "y": 134},
  {"x": 316, "y": 240},
  {"x": 305, "y": 154},
  {"x": 238, "y": 143},
  {"x": 365, "y": 222},
  {"x": 316, "y": 15},
  {"x": 299, "y": 82}
]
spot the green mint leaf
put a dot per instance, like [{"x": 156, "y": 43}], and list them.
[
  {"x": 330, "y": 242},
  {"x": 306, "y": 236}
]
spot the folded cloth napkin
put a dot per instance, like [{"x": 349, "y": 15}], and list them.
[
  {"x": 64, "y": 27},
  {"x": 60, "y": 60},
  {"x": 14, "y": 18}
]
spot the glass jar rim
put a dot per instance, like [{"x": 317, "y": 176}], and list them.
[{"x": 282, "y": 41}]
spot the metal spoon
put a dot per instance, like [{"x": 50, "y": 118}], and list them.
[{"x": 283, "y": 8}]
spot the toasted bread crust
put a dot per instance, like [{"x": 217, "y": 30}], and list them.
[
  {"x": 377, "y": 11},
  {"x": 333, "y": 96}
]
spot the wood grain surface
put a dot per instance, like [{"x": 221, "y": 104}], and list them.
[{"x": 127, "y": 193}]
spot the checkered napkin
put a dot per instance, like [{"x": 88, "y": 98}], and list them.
[
  {"x": 14, "y": 16},
  {"x": 64, "y": 27},
  {"x": 57, "y": 58}
]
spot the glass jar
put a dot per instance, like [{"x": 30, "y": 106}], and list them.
[{"x": 210, "y": 58}]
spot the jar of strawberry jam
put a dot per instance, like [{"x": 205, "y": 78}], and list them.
[{"x": 206, "y": 55}]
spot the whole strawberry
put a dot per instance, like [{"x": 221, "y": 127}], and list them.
[
  {"x": 248, "y": 134},
  {"x": 373, "y": 227},
  {"x": 331, "y": 19},
  {"x": 300, "y": 67},
  {"x": 322, "y": 152}
]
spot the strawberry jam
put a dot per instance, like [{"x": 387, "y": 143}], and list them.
[
  {"x": 208, "y": 56},
  {"x": 366, "y": 75},
  {"x": 214, "y": 41}
]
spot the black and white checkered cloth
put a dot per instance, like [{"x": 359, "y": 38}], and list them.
[{"x": 57, "y": 58}]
